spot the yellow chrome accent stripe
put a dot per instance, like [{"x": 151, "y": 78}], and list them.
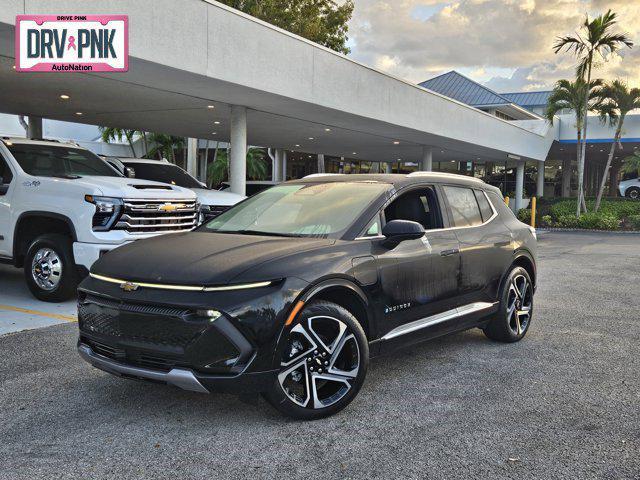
[{"x": 188, "y": 288}]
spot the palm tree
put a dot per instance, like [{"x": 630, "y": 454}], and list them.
[
  {"x": 165, "y": 146},
  {"x": 617, "y": 101},
  {"x": 632, "y": 163},
  {"x": 568, "y": 95},
  {"x": 218, "y": 170},
  {"x": 595, "y": 40},
  {"x": 111, "y": 133}
]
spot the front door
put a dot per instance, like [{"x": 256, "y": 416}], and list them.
[
  {"x": 426, "y": 270},
  {"x": 7, "y": 185}
]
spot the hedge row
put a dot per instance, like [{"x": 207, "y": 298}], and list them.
[{"x": 614, "y": 214}]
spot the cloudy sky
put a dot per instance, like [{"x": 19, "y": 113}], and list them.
[{"x": 505, "y": 44}]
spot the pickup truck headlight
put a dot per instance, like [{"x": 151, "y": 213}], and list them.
[{"x": 107, "y": 211}]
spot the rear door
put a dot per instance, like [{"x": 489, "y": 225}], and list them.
[{"x": 485, "y": 243}]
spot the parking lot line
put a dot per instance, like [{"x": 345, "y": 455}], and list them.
[{"x": 66, "y": 318}]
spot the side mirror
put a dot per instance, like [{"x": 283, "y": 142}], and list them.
[
  {"x": 130, "y": 172},
  {"x": 397, "y": 231},
  {"x": 4, "y": 187}
]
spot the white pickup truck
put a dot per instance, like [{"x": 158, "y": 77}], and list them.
[{"x": 62, "y": 207}]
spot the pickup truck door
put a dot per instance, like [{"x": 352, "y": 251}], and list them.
[{"x": 7, "y": 187}]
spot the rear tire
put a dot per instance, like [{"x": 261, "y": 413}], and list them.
[
  {"x": 511, "y": 322},
  {"x": 325, "y": 355},
  {"x": 49, "y": 268}
]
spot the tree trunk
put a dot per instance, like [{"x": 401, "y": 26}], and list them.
[
  {"x": 613, "y": 177},
  {"x": 146, "y": 144},
  {"x": 129, "y": 135},
  {"x": 583, "y": 152},
  {"x": 612, "y": 150}
]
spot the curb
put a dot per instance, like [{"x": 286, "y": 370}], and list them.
[{"x": 615, "y": 232}]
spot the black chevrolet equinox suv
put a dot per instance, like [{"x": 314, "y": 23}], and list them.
[{"x": 293, "y": 290}]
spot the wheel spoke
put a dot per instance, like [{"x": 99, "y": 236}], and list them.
[
  {"x": 282, "y": 376},
  {"x": 336, "y": 353},
  {"x": 301, "y": 330},
  {"x": 317, "y": 403},
  {"x": 523, "y": 291},
  {"x": 341, "y": 331}
]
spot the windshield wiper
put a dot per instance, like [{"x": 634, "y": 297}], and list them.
[{"x": 266, "y": 234}]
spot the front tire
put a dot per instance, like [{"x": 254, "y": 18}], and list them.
[
  {"x": 325, "y": 355},
  {"x": 49, "y": 268},
  {"x": 633, "y": 193},
  {"x": 511, "y": 322}
]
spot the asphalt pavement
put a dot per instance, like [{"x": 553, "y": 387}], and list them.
[{"x": 562, "y": 403}]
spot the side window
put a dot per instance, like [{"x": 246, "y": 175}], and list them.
[
  {"x": 417, "y": 206},
  {"x": 499, "y": 205},
  {"x": 464, "y": 206},
  {"x": 485, "y": 208},
  {"x": 6, "y": 175},
  {"x": 374, "y": 228}
]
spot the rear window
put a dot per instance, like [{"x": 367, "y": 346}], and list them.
[{"x": 464, "y": 206}]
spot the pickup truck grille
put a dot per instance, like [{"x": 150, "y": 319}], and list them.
[{"x": 140, "y": 216}]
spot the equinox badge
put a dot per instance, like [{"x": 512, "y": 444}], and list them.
[{"x": 129, "y": 286}]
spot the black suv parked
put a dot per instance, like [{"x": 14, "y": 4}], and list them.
[{"x": 291, "y": 291}]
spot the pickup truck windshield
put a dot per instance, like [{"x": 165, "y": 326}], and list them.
[
  {"x": 163, "y": 172},
  {"x": 59, "y": 161},
  {"x": 324, "y": 210}
]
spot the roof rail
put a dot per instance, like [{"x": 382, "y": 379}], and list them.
[
  {"x": 443, "y": 174},
  {"x": 313, "y": 175}
]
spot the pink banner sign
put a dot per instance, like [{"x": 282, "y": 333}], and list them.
[{"x": 72, "y": 43}]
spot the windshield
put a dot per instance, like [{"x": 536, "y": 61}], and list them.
[
  {"x": 59, "y": 161},
  {"x": 322, "y": 210},
  {"x": 163, "y": 172}
]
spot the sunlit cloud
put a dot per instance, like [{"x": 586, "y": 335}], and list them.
[{"x": 506, "y": 44}]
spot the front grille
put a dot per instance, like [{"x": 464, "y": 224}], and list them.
[
  {"x": 150, "y": 325},
  {"x": 141, "y": 216}
]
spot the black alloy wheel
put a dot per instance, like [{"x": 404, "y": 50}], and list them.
[
  {"x": 323, "y": 365},
  {"x": 511, "y": 322}
]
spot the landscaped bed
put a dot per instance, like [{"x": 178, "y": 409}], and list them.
[{"x": 614, "y": 214}]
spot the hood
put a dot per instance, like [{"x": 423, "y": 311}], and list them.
[
  {"x": 215, "y": 197},
  {"x": 199, "y": 258},
  {"x": 121, "y": 187}
]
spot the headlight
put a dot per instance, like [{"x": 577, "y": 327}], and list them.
[{"x": 107, "y": 211}]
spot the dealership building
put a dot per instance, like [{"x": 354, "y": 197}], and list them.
[{"x": 201, "y": 70}]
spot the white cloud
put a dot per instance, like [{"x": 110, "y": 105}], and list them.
[{"x": 418, "y": 39}]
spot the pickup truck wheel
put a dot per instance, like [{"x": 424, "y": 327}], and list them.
[{"x": 49, "y": 268}]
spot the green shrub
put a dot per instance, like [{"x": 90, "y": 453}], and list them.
[
  {"x": 546, "y": 221},
  {"x": 524, "y": 215},
  {"x": 598, "y": 221},
  {"x": 568, "y": 221},
  {"x": 634, "y": 222},
  {"x": 619, "y": 208}
]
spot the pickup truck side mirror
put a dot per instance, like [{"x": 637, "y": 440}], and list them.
[
  {"x": 4, "y": 187},
  {"x": 129, "y": 172},
  {"x": 397, "y": 231}
]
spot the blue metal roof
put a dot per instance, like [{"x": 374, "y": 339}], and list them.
[
  {"x": 528, "y": 99},
  {"x": 457, "y": 86}
]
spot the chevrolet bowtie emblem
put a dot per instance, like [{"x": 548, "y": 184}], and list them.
[
  {"x": 129, "y": 286},
  {"x": 167, "y": 207}
]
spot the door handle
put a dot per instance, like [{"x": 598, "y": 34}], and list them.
[{"x": 446, "y": 253}]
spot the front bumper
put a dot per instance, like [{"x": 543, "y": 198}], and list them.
[
  {"x": 182, "y": 378},
  {"x": 85, "y": 254}
]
